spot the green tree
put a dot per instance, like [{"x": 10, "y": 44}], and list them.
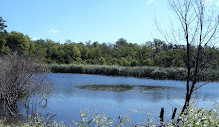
[
  {"x": 3, "y": 48},
  {"x": 76, "y": 51},
  {"x": 3, "y": 34},
  {"x": 17, "y": 42},
  {"x": 2, "y": 24}
]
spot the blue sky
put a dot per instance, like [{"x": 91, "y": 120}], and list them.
[{"x": 83, "y": 20}]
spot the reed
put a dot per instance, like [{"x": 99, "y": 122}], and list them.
[{"x": 172, "y": 73}]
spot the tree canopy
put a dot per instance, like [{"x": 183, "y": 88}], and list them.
[{"x": 123, "y": 53}]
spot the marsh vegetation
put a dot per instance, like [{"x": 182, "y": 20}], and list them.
[
  {"x": 174, "y": 73},
  {"x": 105, "y": 87},
  {"x": 118, "y": 88}
]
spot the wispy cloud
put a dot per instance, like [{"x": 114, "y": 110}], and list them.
[
  {"x": 53, "y": 31},
  {"x": 208, "y": 1},
  {"x": 35, "y": 38},
  {"x": 211, "y": 2},
  {"x": 150, "y": 1}
]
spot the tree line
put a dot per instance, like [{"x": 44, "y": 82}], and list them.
[{"x": 123, "y": 53}]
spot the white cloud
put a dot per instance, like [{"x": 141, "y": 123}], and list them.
[
  {"x": 35, "y": 38},
  {"x": 53, "y": 31},
  {"x": 209, "y": 1},
  {"x": 150, "y": 1}
]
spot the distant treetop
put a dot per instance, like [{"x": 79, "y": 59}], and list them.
[{"x": 2, "y": 24}]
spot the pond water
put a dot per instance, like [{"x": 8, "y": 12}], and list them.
[{"x": 116, "y": 96}]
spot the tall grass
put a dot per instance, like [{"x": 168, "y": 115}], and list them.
[{"x": 140, "y": 72}]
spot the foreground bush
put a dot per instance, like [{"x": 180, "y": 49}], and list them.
[
  {"x": 193, "y": 117},
  {"x": 196, "y": 116},
  {"x": 140, "y": 72},
  {"x": 19, "y": 76}
]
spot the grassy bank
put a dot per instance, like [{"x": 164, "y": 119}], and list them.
[{"x": 140, "y": 72}]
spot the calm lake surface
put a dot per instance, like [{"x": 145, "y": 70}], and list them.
[{"x": 133, "y": 97}]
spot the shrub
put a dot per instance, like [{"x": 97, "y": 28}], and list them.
[
  {"x": 19, "y": 77},
  {"x": 195, "y": 116}
]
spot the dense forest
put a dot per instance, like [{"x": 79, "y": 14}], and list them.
[{"x": 122, "y": 53}]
